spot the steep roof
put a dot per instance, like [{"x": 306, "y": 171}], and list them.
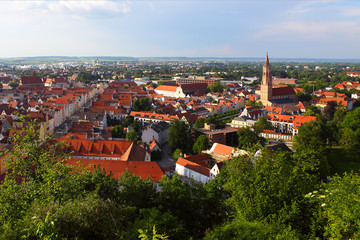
[
  {"x": 222, "y": 149},
  {"x": 134, "y": 153},
  {"x": 267, "y": 63}
]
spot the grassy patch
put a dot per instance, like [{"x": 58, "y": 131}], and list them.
[{"x": 343, "y": 160}]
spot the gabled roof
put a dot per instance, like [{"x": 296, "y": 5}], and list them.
[
  {"x": 193, "y": 166},
  {"x": 134, "y": 153},
  {"x": 153, "y": 144},
  {"x": 221, "y": 149}
]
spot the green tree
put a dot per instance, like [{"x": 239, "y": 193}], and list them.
[
  {"x": 118, "y": 132},
  {"x": 271, "y": 187},
  {"x": 350, "y": 131},
  {"x": 201, "y": 143},
  {"x": 142, "y": 104},
  {"x": 155, "y": 236},
  {"x": 339, "y": 207},
  {"x": 131, "y": 135},
  {"x": 199, "y": 123},
  {"x": 262, "y": 124},
  {"x": 339, "y": 115},
  {"x": 136, "y": 192},
  {"x": 241, "y": 229},
  {"x": 177, "y": 153},
  {"x": 33, "y": 158},
  {"x": 85, "y": 77},
  {"x": 248, "y": 138},
  {"x": 330, "y": 110},
  {"x": 13, "y": 85},
  {"x": 216, "y": 87},
  {"x": 129, "y": 120},
  {"x": 303, "y": 97},
  {"x": 179, "y": 136},
  {"x": 312, "y": 111},
  {"x": 197, "y": 206},
  {"x": 310, "y": 137}
]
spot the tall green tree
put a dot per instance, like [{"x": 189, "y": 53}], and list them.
[
  {"x": 118, "y": 132},
  {"x": 262, "y": 124},
  {"x": 201, "y": 143},
  {"x": 271, "y": 188},
  {"x": 350, "y": 131},
  {"x": 310, "y": 137},
  {"x": 248, "y": 138},
  {"x": 131, "y": 135},
  {"x": 199, "y": 123},
  {"x": 179, "y": 136},
  {"x": 216, "y": 87},
  {"x": 142, "y": 104}
]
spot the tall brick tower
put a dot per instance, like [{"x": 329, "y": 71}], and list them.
[{"x": 266, "y": 84}]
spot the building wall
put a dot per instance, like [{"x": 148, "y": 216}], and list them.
[
  {"x": 185, "y": 172},
  {"x": 148, "y": 135}
]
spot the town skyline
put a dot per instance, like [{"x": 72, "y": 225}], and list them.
[{"x": 227, "y": 29}]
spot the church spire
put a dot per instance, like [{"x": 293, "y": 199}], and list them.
[
  {"x": 267, "y": 63},
  {"x": 266, "y": 83}
]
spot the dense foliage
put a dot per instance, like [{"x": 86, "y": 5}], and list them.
[{"x": 56, "y": 201}]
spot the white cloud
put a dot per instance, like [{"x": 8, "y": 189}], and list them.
[{"x": 73, "y": 8}]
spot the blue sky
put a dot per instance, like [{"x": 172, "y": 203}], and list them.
[{"x": 285, "y": 29}]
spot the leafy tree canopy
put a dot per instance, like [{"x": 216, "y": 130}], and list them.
[
  {"x": 118, "y": 132},
  {"x": 248, "y": 138},
  {"x": 179, "y": 136},
  {"x": 201, "y": 143},
  {"x": 262, "y": 124}
]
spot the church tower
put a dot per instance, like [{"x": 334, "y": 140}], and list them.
[{"x": 266, "y": 84}]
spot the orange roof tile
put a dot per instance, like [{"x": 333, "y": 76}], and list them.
[
  {"x": 170, "y": 88},
  {"x": 143, "y": 170},
  {"x": 193, "y": 166},
  {"x": 222, "y": 149}
]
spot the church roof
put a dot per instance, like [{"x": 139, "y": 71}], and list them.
[
  {"x": 283, "y": 91},
  {"x": 267, "y": 63}
]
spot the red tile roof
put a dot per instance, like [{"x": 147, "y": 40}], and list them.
[
  {"x": 25, "y": 80},
  {"x": 194, "y": 166},
  {"x": 167, "y": 88},
  {"x": 143, "y": 170},
  {"x": 280, "y": 91},
  {"x": 98, "y": 148},
  {"x": 222, "y": 149}
]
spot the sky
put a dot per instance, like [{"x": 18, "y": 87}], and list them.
[{"x": 187, "y": 28}]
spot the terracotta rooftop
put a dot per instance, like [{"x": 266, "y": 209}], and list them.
[
  {"x": 194, "y": 166},
  {"x": 166, "y": 88},
  {"x": 143, "y": 170}
]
